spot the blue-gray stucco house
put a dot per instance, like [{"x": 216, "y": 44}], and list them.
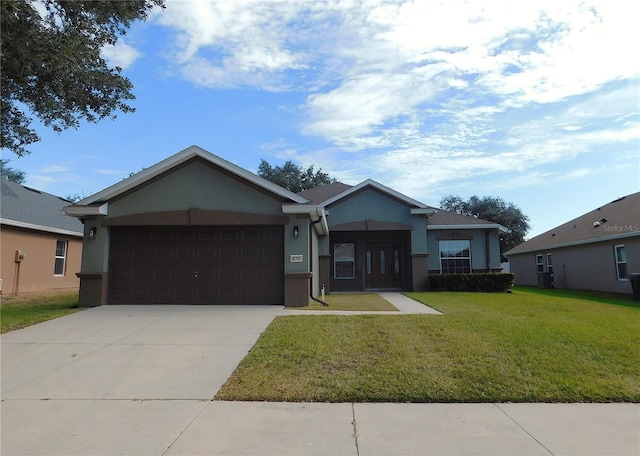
[{"x": 197, "y": 229}]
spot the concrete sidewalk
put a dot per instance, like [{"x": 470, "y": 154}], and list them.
[
  {"x": 179, "y": 427},
  {"x": 139, "y": 380}
]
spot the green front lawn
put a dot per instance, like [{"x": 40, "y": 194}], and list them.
[
  {"x": 354, "y": 302},
  {"x": 526, "y": 346},
  {"x": 18, "y": 312}
]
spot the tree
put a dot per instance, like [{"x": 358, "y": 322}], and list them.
[
  {"x": 10, "y": 174},
  {"x": 51, "y": 64},
  {"x": 495, "y": 210},
  {"x": 294, "y": 177}
]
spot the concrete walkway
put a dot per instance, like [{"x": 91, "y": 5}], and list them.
[
  {"x": 404, "y": 304},
  {"x": 139, "y": 380}
]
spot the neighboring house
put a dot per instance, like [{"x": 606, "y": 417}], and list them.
[
  {"x": 41, "y": 246},
  {"x": 197, "y": 229},
  {"x": 595, "y": 251}
]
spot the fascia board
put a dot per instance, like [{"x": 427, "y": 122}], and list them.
[
  {"x": 47, "y": 229},
  {"x": 423, "y": 211},
  {"x": 316, "y": 214},
  {"x": 299, "y": 208},
  {"x": 83, "y": 211},
  {"x": 181, "y": 157},
  {"x": 379, "y": 186},
  {"x": 478, "y": 226},
  {"x": 576, "y": 243}
]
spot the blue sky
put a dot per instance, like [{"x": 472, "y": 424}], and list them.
[{"x": 534, "y": 102}]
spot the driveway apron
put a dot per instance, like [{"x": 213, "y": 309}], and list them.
[{"x": 119, "y": 379}]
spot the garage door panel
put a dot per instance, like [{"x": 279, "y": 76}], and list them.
[
  {"x": 272, "y": 253},
  {"x": 230, "y": 234},
  {"x": 207, "y": 265},
  {"x": 252, "y": 254}
]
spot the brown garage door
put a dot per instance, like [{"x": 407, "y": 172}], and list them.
[{"x": 206, "y": 265}]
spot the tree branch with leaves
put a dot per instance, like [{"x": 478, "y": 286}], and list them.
[
  {"x": 51, "y": 64},
  {"x": 495, "y": 210},
  {"x": 294, "y": 177}
]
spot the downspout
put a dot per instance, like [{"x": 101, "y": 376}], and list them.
[
  {"x": 313, "y": 222},
  {"x": 488, "y": 250}
]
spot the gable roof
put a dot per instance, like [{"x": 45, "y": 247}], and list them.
[
  {"x": 448, "y": 220},
  {"x": 378, "y": 186},
  {"x": 25, "y": 207},
  {"x": 615, "y": 220},
  {"x": 437, "y": 218},
  {"x": 177, "y": 159}
]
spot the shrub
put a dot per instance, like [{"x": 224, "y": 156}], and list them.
[{"x": 484, "y": 282}]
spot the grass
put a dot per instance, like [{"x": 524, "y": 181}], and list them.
[
  {"x": 359, "y": 301},
  {"x": 526, "y": 346},
  {"x": 18, "y": 312}
]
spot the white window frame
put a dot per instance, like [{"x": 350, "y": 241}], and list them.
[
  {"x": 549, "y": 263},
  {"x": 539, "y": 263},
  {"x": 619, "y": 262},
  {"x": 62, "y": 257},
  {"x": 343, "y": 254},
  {"x": 449, "y": 245}
]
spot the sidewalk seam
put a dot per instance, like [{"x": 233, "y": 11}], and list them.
[
  {"x": 355, "y": 428},
  {"x": 527, "y": 432},
  {"x": 186, "y": 427}
]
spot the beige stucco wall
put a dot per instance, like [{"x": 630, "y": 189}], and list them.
[
  {"x": 583, "y": 267},
  {"x": 35, "y": 272}
]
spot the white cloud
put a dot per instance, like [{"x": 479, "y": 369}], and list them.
[
  {"x": 121, "y": 54},
  {"x": 433, "y": 93}
]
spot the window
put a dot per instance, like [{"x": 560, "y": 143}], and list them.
[
  {"x": 539, "y": 263},
  {"x": 621, "y": 262},
  {"x": 549, "y": 263},
  {"x": 343, "y": 261},
  {"x": 455, "y": 257},
  {"x": 61, "y": 258}
]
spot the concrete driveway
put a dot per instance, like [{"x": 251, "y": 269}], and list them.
[
  {"x": 119, "y": 379},
  {"x": 139, "y": 380}
]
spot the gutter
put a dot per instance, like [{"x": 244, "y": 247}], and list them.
[
  {"x": 46, "y": 229},
  {"x": 576, "y": 243}
]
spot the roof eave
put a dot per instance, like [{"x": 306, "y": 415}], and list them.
[
  {"x": 573, "y": 243},
  {"x": 378, "y": 186},
  {"x": 315, "y": 212},
  {"x": 179, "y": 158},
  {"x": 476, "y": 226},
  {"x": 423, "y": 211},
  {"x": 46, "y": 229},
  {"x": 84, "y": 211}
]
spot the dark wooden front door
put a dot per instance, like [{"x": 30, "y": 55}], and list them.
[
  {"x": 383, "y": 266},
  {"x": 204, "y": 265}
]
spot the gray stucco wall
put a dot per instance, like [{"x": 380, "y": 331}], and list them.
[
  {"x": 195, "y": 185},
  {"x": 583, "y": 267},
  {"x": 370, "y": 204}
]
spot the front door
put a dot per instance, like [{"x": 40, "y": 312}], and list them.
[{"x": 383, "y": 265}]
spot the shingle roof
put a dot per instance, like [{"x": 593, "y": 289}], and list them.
[
  {"x": 322, "y": 193},
  {"x": 619, "y": 218},
  {"x": 318, "y": 195},
  {"x": 31, "y": 208},
  {"x": 444, "y": 218}
]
